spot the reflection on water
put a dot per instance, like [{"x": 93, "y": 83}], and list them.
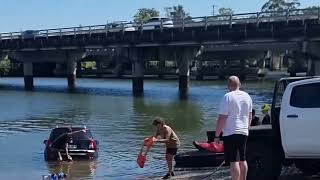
[
  {"x": 74, "y": 170},
  {"x": 119, "y": 121}
]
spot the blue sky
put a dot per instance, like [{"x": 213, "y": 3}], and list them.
[{"x": 17, "y": 15}]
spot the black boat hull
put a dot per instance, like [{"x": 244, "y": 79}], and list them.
[{"x": 199, "y": 159}]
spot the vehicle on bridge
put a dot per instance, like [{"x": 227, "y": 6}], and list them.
[
  {"x": 121, "y": 26},
  {"x": 157, "y": 23},
  {"x": 292, "y": 137},
  {"x": 81, "y": 145},
  {"x": 29, "y": 34}
]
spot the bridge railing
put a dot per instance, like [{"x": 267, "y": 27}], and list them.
[{"x": 205, "y": 21}]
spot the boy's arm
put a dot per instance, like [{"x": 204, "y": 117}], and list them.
[{"x": 165, "y": 140}]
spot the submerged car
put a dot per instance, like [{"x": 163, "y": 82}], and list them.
[{"x": 80, "y": 145}]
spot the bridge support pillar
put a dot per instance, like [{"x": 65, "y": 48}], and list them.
[
  {"x": 221, "y": 73},
  {"x": 78, "y": 69},
  {"x": 119, "y": 56},
  {"x": 59, "y": 70},
  {"x": 184, "y": 73},
  {"x": 137, "y": 72},
  {"x": 71, "y": 74},
  {"x": 161, "y": 57},
  {"x": 199, "y": 75},
  {"x": 99, "y": 68},
  {"x": 28, "y": 75},
  {"x": 312, "y": 51}
]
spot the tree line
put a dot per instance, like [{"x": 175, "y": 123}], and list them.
[{"x": 178, "y": 12}]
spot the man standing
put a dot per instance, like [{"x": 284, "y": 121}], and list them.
[
  {"x": 169, "y": 137},
  {"x": 61, "y": 143},
  {"x": 235, "y": 114}
]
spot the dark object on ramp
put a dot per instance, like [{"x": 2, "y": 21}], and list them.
[{"x": 199, "y": 159}]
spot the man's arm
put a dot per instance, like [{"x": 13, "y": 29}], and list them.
[
  {"x": 223, "y": 115},
  {"x": 74, "y": 132},
  {"x": 250, "y": 119},
  {"x": 220, "y": 124}
]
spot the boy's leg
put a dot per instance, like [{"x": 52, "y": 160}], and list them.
[{"x": 169, "y": 158}]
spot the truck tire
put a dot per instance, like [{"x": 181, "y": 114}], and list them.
[
  {"x": 308, "y": 167},
  {"x": 264, "y": 163}
]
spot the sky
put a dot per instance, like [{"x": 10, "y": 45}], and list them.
[{"x": 20, "y": 15}]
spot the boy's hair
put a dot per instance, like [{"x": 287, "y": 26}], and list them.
[
  {"x": 158, "y": 120},
  {"x": 253, "y": 112}
]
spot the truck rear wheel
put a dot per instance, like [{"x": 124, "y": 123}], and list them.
[
  {"x": 308, "y": 167},
  {"x": 264, "y": 163}
]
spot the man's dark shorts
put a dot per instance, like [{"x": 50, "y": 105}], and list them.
[
  {"x": 172, "y": 151},
  {"x": 235, "y": 148}
]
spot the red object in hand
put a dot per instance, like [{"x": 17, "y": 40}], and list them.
[
  {"x": 141, "y": 160},
  {"x": 147, "y": 144},
  {"x": 148, "y": 141}
]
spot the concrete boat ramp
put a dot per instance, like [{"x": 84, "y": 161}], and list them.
[{"x": 288, "y": 173}]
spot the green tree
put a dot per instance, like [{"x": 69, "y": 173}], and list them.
[
  {"x": 176, "y": 12},
  {"x": 225, "y": 11},
  {"x": 5, "y": 66},
  {"x": 144, "y": 14},
  {"x": 88, "y": 64},
  {"x": 280, "y": 5}
]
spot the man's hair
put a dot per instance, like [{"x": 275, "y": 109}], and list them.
[
  {"x": 234, "y": 82},
  {"x": 158, "y": 120}
]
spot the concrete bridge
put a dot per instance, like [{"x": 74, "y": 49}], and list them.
[{"x": 249, "y": 34}]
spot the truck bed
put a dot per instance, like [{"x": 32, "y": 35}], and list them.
[{"x": 254, "y": 132}]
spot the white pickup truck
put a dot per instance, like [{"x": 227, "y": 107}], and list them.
[{"x": 292, "y": 137}]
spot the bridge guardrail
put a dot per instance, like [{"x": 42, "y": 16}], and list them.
[{"x": 205, "y": 21}]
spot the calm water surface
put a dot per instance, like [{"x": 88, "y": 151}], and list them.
[{"x": 118, "y": 120}]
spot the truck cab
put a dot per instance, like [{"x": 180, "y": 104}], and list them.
[{"x": 292, "y": 136}]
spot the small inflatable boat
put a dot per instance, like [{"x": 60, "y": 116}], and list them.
[
  {"x": 199, "y": 158},
  {"x": 208, "y": 155}
]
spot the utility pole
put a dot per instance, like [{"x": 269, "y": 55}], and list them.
[{"x": 212, "y": 10}]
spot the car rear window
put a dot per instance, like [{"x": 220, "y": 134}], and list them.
[
  {"x": 306, "y": 96},
  {"x": 80, "y": 135}
]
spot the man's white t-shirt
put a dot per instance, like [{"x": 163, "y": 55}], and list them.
[{"x": 236, "y": 105}]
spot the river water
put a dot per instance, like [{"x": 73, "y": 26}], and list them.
[{"x": 117, "y": 119}]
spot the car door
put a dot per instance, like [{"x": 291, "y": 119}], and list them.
[{"x": 300, "y": 119}]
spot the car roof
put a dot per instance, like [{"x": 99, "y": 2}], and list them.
[
  {"x": 298, "y": 78},
  {"x": 73, "y": 127},
  {"x": 307, "y": 80}
]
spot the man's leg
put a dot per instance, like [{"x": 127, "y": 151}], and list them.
[
  {"x": 242, "y": 152},
  {"x": 59, "y": 155},
  {"x": 67, "y": 153},
  {"x": 235, "y": 170},
  {"x": 243, "y": 170}
]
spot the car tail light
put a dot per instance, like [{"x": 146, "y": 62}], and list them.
[{"x": 92, "y": 144}]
